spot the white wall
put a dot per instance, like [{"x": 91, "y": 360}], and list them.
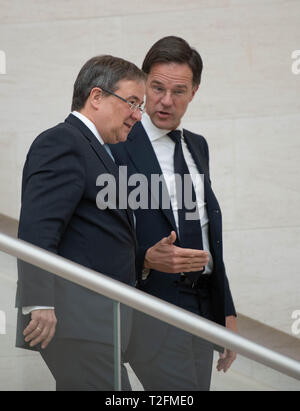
[{"x": 248, "y": 108}]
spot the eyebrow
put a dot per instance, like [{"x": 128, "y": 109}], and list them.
[
  {"x": 134, "y": 98},
  {"x": 159, "y": 83}
]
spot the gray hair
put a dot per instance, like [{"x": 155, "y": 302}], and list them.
[{"x": 103, "y": 71}]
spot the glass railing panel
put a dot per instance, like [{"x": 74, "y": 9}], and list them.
[
  {"x": 150, "y": 345},
  {"x": 249, "y": 375},
  {"x": 163, "y": 358},
  {"x": 25, "y": 370},
  {"x": 19, "y": 369}
]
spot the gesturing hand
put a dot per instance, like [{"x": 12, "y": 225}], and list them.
[
  {"x": 166, "y": 257},
  {"x": 41, "y": 328}
]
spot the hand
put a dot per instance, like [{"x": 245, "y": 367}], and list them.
[
  {"x": 228, "y": 356},
  {"x": 166, "y": 257},
  {"x": 41, "y": 328}
]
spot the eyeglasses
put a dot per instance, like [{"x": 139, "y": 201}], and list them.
[
  {"x": 133, "y": 107},
  {"x": 161, "y": 92}
]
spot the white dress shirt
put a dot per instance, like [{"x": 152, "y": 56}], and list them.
[{"x": 164, "y": 148}]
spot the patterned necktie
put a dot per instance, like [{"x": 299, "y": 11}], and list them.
[{"x": 190, "y": 232}]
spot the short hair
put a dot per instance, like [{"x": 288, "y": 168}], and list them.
[
  {"x": 103, "y": 71},
  {"x": 172, "y": 49}
]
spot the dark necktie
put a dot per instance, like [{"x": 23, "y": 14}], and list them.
[{"x": 190, "y": 232}]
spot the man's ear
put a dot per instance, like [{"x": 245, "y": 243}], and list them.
[
  {"x": 95, "y": 96},
  {"x": 194, "y": 91}
]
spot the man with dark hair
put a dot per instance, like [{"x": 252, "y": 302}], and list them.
[
  {"x": 71, "y": 326},
  {"x": 174, "y": 50},
  {"x": 163, "y": 357}
]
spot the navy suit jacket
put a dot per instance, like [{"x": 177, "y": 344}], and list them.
[
  {"x": 154, "y": 224},
  {"x": 59, "y": 214}
]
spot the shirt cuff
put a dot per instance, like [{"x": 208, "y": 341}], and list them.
[{"x": 27, "y": 310}]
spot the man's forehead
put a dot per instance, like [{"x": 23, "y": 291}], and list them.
[
  {"x": 133, "y": 89},
  {"x": 178, "y": 74}
]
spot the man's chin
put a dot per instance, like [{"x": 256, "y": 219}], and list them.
[
  {"x": 163, "y": 123},
  {"x": 118, "y": 137},
  {"x": 122, "y": 138}
]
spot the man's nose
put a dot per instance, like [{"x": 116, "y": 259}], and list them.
[
  {"x": 167, "y": 99},
  {"x": 137, "y": 115}
]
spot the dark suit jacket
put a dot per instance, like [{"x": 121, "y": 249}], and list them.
[
  {"x": 59, "y": 213},
  {"x": 154, "y": 224}
]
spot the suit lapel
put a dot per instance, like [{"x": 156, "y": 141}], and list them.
[
  {"x": 143, "y": 156},
  {"x": 197, "y": 153},
  {"x": 201, "y": 161},
  {"x": 96, "y": 145},
  {"x": 102, "y": 155}
]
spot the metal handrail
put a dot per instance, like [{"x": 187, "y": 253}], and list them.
[{"x": 148, "y": 304}]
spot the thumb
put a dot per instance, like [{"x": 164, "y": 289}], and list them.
[{"x": 172, "y": 238}]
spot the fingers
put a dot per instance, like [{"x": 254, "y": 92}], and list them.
[
  {"x": 166, "y": 257},
  {"x": 48, "y": 338},
  {"x": 41, "y": 328},
  {"x": 225, "y": 361},
  {"x": 197, "y": 255},
  {"x": 180, "y": 264},
  {"x": 41, "y": 335},
  {"x": 30, "y": 328},
  {"x": 185, "y": 260}
]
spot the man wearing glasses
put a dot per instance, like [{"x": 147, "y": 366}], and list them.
[{"x": 71, "y": 326}]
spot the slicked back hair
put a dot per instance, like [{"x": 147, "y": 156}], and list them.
[{"x": 174, "y": 49}]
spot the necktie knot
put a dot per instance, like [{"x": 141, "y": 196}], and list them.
[{"x": 175, "y": 135}]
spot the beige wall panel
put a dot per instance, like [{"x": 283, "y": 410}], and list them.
[
  {"x": 18, "y": 11},
  {"x": 10, "y": 201},
  {"x": 247, "y": 107},
  {"x": 267, "y": 172},
  {"x": 15, "y": 11},
  {"x": 43, "y": 61},
  {"x": 263, "y": 269}
]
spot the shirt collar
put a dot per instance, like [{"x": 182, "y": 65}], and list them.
[
  {"x": 89, "y": 124},
  {"x": 153, "y": 132}
]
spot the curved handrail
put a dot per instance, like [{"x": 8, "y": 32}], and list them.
[{"x": 148, "y": 304}]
